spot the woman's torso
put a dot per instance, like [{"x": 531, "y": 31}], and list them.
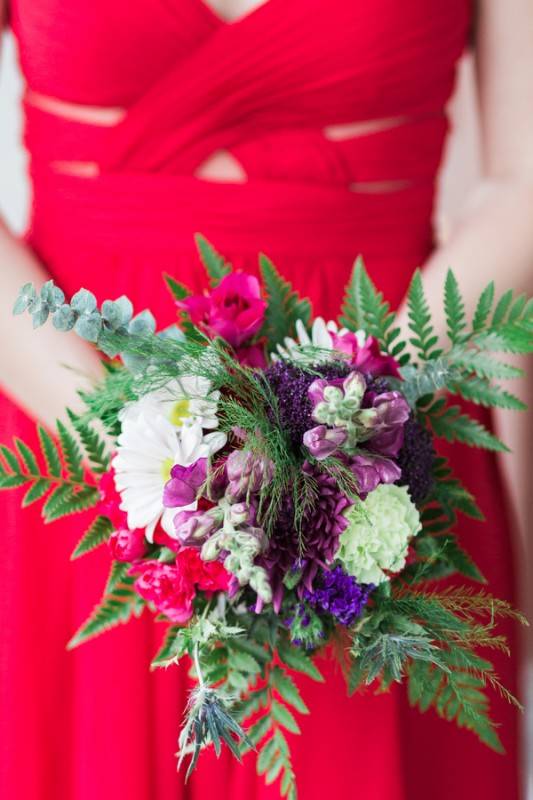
[{"x": 331, "y": 115}]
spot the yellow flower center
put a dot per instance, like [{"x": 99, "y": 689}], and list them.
[
  {"x": 166, "y": 466},
  {"x": 179, "y": 412}
]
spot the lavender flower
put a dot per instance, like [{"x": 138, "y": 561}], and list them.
[{"x": 339, "y": 594}]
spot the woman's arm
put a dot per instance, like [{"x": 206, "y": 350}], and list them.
[
  {"x": 493, "y": 237},
  {"x": 31, "y": 368}
]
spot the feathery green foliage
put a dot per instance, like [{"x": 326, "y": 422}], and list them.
[
  {"x": 116, "y": 607},
  {"x": 96, "y": 534},
  {"x": 215, "y": 265},
  {"x": 364, "y": 308},
  {"x": 284, "y": 308}
]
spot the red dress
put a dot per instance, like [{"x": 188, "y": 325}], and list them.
[{"x": 96, "y": 723}]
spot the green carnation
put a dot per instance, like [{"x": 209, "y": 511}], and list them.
[{"x": 376, "y": 539}]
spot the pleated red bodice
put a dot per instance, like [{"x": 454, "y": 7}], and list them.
[{"x": 270, "y": 89}]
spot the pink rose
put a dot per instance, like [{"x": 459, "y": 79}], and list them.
[
  {"x": 366, "y": 358},
  {"x": 168, "y": 589},
  {"x": 234, "y": 309},
  {"x": 126, "y": 545}
]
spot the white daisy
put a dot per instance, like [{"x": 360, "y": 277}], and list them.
[
  {"x": 320, "y": 338},
  {"x": 181, "y": 400},
  {"x": 159, "y": 430}
]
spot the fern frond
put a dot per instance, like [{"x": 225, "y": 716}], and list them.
[
  {"x": 454, "y": 308},
  {"x": 96, "y": 534},
  {"x": 284, "y": 307},
  {"x": 424, "y": 338},
  {"x": 216, "y": 267}
]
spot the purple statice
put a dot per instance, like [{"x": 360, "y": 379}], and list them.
[
  {"x": 321, "y": 528},
  {"x": 338, "y": 594},
  {"x": 290, "y": 385},
  {"x": 416, "y": 459}
]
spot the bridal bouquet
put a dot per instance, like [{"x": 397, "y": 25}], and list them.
[{"x": 268, "y": 484}]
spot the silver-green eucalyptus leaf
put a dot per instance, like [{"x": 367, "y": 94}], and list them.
[
  {"x": 88, "y": 326},
  {"x": 64, "y": 318},
  {"x": 26, "y": 299},
  {"x": 84, "y": 302},
  {"x": 142, "y": 323}
]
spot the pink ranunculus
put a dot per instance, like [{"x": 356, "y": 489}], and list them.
[
  {"x": 234, "y": 309},
  {"x": 367, "y": 358},
  {"x": 126, "y": 545},
  {"x": 252, "y": 356}
]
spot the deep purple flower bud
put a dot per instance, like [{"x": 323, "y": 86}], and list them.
[
  {"x": 182, "y": 488},
  {"x": 323, "y": 442},
  {"x": 370, "y": 470},
  {"x": 392, "y": 412}
]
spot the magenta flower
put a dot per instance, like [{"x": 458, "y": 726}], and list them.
[
  {"x": 167, "y": 587},
  {"x": 182, "y": 488},
  {"x": 126, "y": 545},
  {"x": 234, "y": 309},
  {"x": 323, "y": 442},
  {"x": 367, "y": 358}
]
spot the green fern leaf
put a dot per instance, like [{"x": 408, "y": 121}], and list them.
[
  {"x": 27, "y": 456},
  {"x": 71, "y": 452},
  {"x": 177, "y": 290},
  {"x": 454, "y": 309},
  {"x": 10, "y": 459},
  {"x": 284, "y": 308},
  {"x": 483, "y": 393},
  {"x": 483, "y": 308},
  {"x": 282, "y": 715},
  {"x": 484, "y": 365},
  {"x": 93, "y": 444},
  {"x": 173, "y": 648},
  {"x": 288, "y": 690},
  {"x": 216, "y": 266},
  {"x": 502, "y": 307},
  {"x": 36, "y": 491},
  {"x": 454, "y": 426},
  {"x": 13, "y": 481},
  {"x": 96, "y": 534},
  {"x": 299, "y": 661},
  {"x": 111, "y": 611},
  {"x": 352, "y": 309},
  {"x": 117, "y": 574},
  {"x": 50, "y": 452},
  {"x": 424, "y": 338},
  {"x": 67, "y": 499}
]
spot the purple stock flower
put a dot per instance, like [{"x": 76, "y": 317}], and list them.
[
  {"x": 370, "y": 470},
  {"x": 323, "y": 442},
  {"x": 182, "y": 488},
  {"x": 392, "y": 412},
  {"x": 193, "y": 527},
  {"x": 339, "y": 594},
  {"x": 247, "y": 473}
]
